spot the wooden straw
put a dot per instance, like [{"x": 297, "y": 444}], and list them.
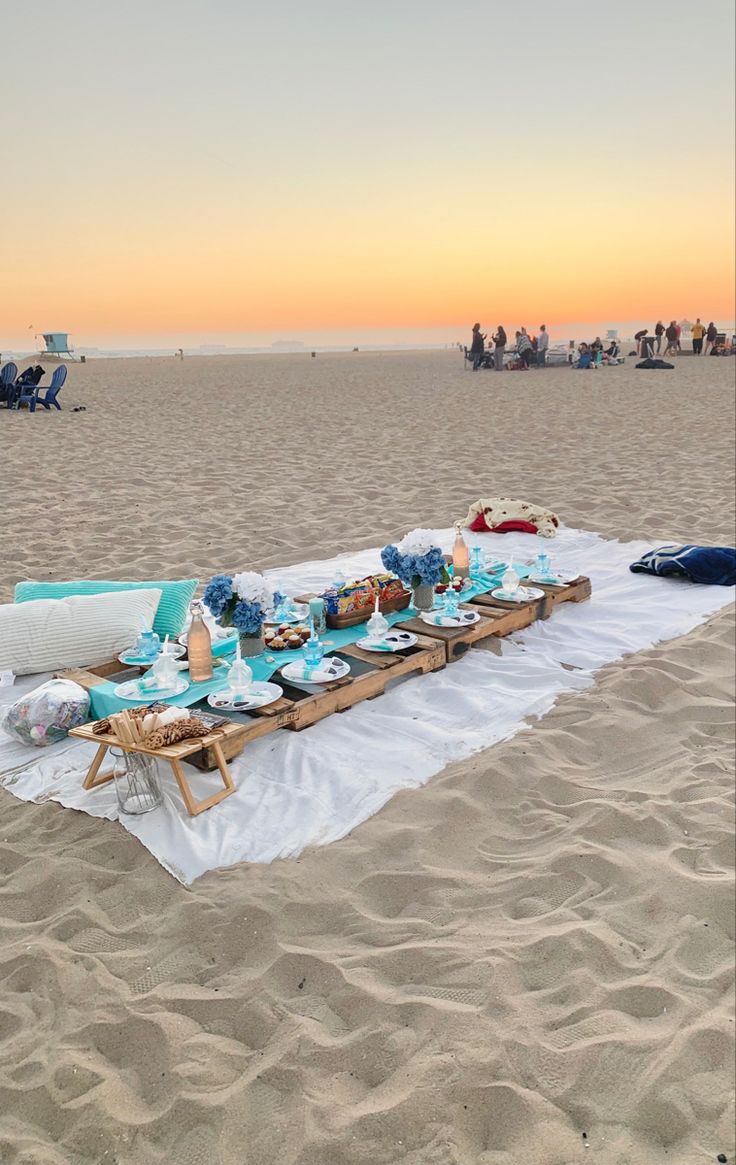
[
  {"x": 119, "y": 727},
  {"x": 132, "y": 724}
]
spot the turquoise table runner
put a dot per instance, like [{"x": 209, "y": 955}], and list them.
[{"x": 104, "y": 702}]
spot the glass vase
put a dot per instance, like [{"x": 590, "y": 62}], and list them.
[
  {"x": 423, "y": 597},
  {"x": 251, "y": 645},
  {"x": 136, "y": 782}
]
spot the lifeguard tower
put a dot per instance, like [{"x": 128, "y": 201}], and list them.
[{"x": 57, "y": 346}]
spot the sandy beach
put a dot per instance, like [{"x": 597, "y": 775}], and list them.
[{"x": 529, "y": 960}]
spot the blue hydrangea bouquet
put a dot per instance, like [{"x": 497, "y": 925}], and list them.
[{"x": 416, "y": 560}]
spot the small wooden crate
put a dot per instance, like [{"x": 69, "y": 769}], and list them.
[{"x": 498, "y": 618}]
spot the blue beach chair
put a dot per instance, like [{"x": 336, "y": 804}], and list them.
[
  {"x": 57, "y": 380},
  {"x": 25, "y": 394},
  {"x": 7, "y": 384}
]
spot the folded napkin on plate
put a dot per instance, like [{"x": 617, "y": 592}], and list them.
[
  {"x": 442, "y": 620},
  {"x": 327, "y": 666}
]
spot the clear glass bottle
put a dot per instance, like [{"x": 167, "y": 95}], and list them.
[
  {"x": 510, "y": 580},
  {"x": 199, "y": 646},
  {"x": 378, "y": 624},
  {"x": 460, "y": 555},
  {"x": 239, "y": 676},
  {"x": 164, "y": 670}
]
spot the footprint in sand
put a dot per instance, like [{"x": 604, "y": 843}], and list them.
[{"x": 197, "y": 1146}]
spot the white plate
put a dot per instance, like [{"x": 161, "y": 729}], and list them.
[
  {"x": 132, "y": 690},
  {"x": 523, "y": 595},
  {"x": 295, "y": 671},
  {"x": 556, "y": 580},
  {"x": 301, "y": 612},
  {"x": 176, "y": 649},
  {"x": 133, "y": 660},
  {"x": 259, "y": 696},
  {"x": 395, "y": 641},
  {"x": 437, "y": 619}
]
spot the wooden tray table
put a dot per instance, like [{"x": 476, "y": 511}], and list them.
[{"x": 174, "y": 754}]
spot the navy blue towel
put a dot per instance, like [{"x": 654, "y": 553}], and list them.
[{"x": 701, "y": 564}]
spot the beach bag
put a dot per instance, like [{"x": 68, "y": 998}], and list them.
[{"x": 45, "y": 715}]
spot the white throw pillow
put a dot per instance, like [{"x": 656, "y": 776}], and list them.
[{"x": 81, "y": 630}]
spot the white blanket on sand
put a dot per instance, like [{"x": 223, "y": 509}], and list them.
[{"x": 311, "y": 788}]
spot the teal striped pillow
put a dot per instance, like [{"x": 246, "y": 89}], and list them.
[{"x": 172, "y": 610}]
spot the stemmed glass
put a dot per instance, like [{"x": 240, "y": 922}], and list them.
[{"x": 477, "y": 564}]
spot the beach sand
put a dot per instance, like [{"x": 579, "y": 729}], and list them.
[{"x": 527, "y": 961}]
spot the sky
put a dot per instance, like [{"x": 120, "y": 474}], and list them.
[{"x": 192, "y": 170}]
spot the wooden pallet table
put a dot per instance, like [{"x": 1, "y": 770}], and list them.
[
  {"x": 304, "y": 705},
  {"x": 298, "y": 708},
  {"x": 498, "y": 618}
]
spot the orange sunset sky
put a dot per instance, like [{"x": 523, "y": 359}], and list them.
[{"x": 235, "y": 168}]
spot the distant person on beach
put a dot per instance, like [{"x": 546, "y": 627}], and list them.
[
  {"x": 596, "y": 347},
  {"x": 542, "y": 346},
  {"x": 710, "y": 337},
  {"x": 678, "y": 345},
  {"x": 477, "y": 347},
  {"x": 659, "y": 332},
  {"x": 639, "y": 337},
  {"x": 524, "y": 347},
  {"x": 698, "y": 333},
  {"x": 671, "y": 334},
  {"x": 585, "y": 356},
  {"x": 499, "y": 347}
]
